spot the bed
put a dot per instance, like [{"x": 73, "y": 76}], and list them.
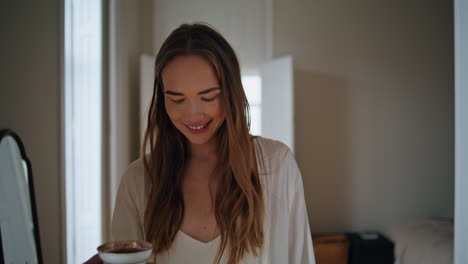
[{"x": 423, "y": 242}]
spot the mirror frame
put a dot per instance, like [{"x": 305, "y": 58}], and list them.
[{"x": 8, "y": 132}]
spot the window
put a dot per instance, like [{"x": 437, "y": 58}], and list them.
[
  {"x": 83, "y": 127},
  {"x": 253, "y": 90}
]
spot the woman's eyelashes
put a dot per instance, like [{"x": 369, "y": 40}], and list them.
[
  {"x": 204, "y": 99},
  {"x": 177, "y": 101},
  {"x": 209, "y": 99}
]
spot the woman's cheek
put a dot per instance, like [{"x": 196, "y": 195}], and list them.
[
  {"x": 219, "y": 109},
  {"x": 172, "y": 111}
]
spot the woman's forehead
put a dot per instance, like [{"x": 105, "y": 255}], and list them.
[{"x": 190, "y": 72}]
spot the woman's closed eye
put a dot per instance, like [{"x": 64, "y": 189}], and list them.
[
  {"x": 177, "y": 101},
  {"x": 204, "y": 99},
  {"x": 209, "y": 99}
]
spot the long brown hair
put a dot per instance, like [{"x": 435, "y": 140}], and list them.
[{"x": 238, "y": 203}]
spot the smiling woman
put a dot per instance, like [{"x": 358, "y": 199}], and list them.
[
  {"x": 202, "y": 153},
  {"x": 194, "y": 108},
  {"x": 208, "y": 191}
]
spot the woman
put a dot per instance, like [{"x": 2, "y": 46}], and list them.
[{"x": 204, "y": 189}]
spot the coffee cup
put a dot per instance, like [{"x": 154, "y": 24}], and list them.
[{"x": 125, "y": 252}]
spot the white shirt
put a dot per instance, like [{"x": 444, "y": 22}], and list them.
[{"x": 286, "y": 228}]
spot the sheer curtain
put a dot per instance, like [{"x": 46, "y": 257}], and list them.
[{"x": 83, "y": 127}]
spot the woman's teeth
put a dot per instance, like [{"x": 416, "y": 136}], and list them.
[{"x": 197, "y": 127}]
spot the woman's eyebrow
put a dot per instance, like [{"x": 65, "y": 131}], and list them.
[
  {"x": 173, "y": 93},
  {"x": 209, "y": 90},
  {"x": 202, "y": 92}
]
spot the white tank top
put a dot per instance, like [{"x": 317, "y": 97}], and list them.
[{"x": 186, "y": 249}]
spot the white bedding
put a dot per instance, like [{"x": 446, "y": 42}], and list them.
[{"x": 423, "y": 242}]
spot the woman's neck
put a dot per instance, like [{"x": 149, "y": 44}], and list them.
[
  {"x": 202, "y": 162},
  {"x": 205, "y": 151}
]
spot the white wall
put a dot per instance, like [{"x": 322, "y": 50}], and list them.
[
  {"x": 244, "y": 23},
  {"x": 130, "y": 34},
  {"x": 461, "y": 113},
  {"x": 30, "y": 104},
  {"x": 374, "y": 108}
]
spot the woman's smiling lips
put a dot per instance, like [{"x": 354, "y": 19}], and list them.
[{"x": 198, "y": 128}]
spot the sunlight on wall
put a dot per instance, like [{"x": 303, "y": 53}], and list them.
[{"x": 253, "y": 90}]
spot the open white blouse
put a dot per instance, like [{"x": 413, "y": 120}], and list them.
[{"x": 286, "y": 228}]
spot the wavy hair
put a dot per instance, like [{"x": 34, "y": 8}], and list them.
[{"x": 238, "y": 203}]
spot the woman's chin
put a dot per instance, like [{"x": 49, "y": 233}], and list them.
[{"x": 198, "y": 140}]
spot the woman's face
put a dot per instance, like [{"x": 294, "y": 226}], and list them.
[{"x": 192, "y": 97}]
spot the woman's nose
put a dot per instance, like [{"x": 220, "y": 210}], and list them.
[{"x": 195, "y": 109}]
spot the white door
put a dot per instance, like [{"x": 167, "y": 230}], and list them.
[
  {"x": 146, "y": 89},
  {"x": 278, "y": 100},
  {"x": 461, "y": 131}
]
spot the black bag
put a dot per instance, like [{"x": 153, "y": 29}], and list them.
[{"x": 370, "y": 248}]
